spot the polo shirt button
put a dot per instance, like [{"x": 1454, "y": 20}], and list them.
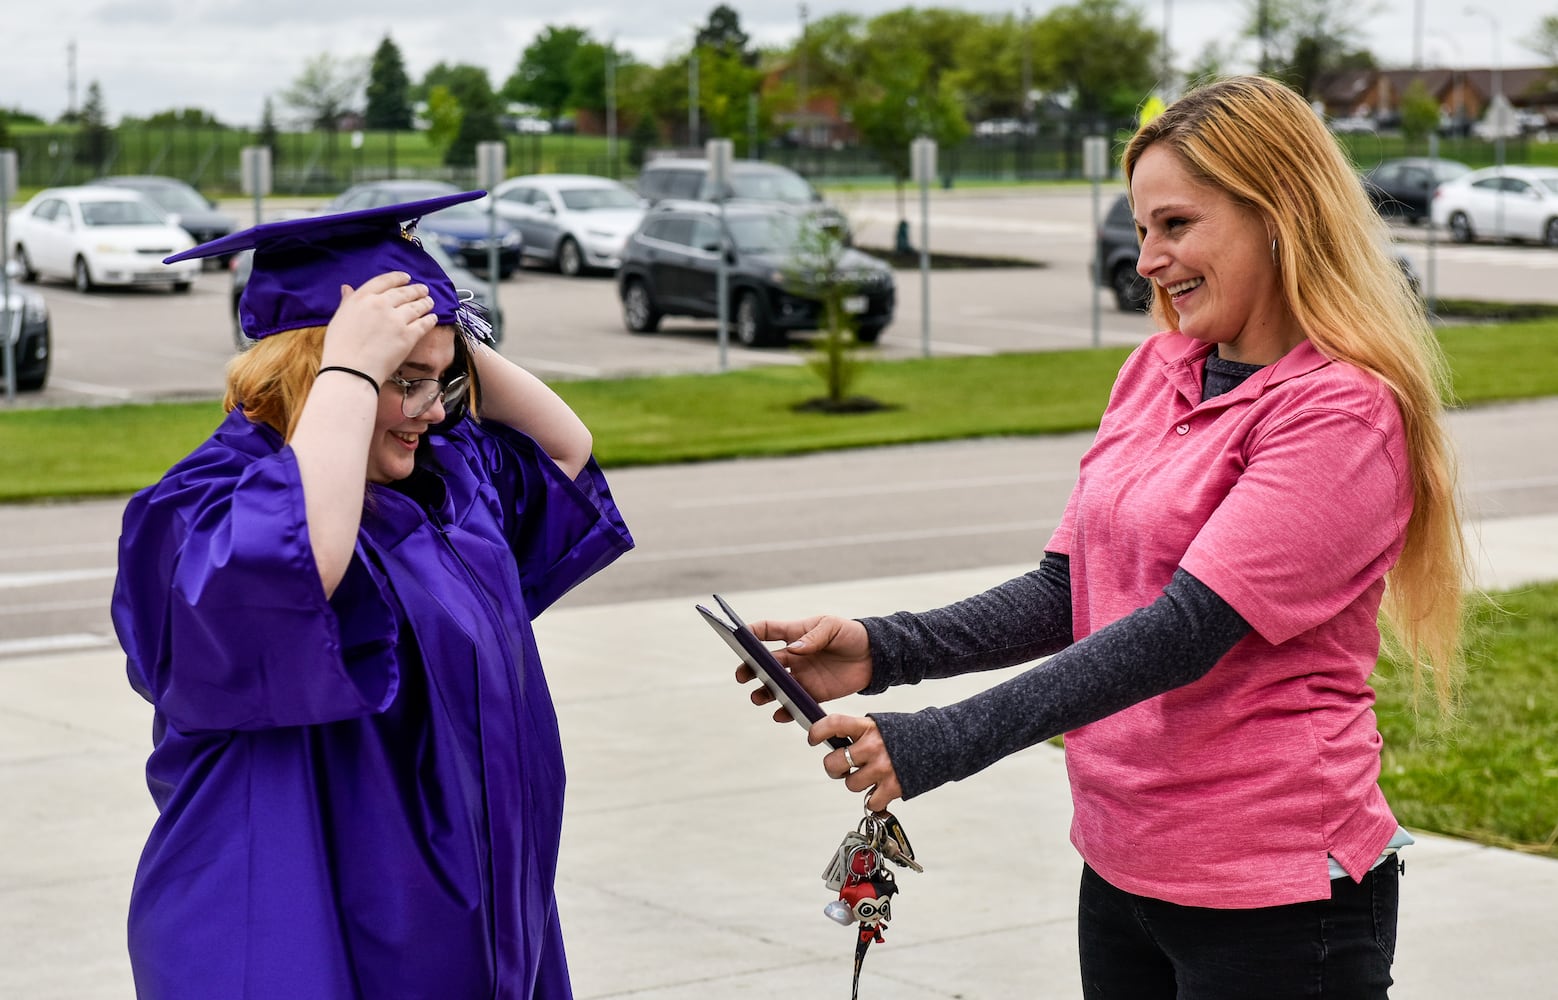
[{"x": 1182, "y": 429}]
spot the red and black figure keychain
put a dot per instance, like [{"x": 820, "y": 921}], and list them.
[{"x": 864, "y": 883}]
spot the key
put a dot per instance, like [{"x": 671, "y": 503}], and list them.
[
  {"x": 895, "y": 842},
  {"x": 838, "y": 868}
]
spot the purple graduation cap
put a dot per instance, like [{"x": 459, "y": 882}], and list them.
[{"x": 301, "y": 264}]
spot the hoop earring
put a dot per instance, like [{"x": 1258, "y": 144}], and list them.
[{"x": 1273, "y": 252}]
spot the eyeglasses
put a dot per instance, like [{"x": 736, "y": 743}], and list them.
[{"x": 420, "y": 393}]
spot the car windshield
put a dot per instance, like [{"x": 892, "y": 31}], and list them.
[
  {"x": 766, "y": 185},
  {"x": 591, "y": 199},
  {"x": 765, "y": 233},
  {"x": 465, "y": 212},
  {"x": 174, "y": 199},
  {"x": 120, "y": 213}
]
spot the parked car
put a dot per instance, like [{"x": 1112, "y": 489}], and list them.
[
  {"x": 1500, "y": 203},
  {"x": 1119, "y": 249},
  {"x": 687, "y": 178},
  {"x": 192, "y": 210},
  {"x": 573, "y": 222},
  {"x": 95, "y": 235},
  {"x": 670, "y": 267},
  {"x": 1403, "y": 188},
  {"x": 462, "y": 230},
  {"x": 28, "y": 334},
  {"x": 465, "y": 283}
]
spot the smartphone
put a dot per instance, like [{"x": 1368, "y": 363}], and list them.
[{"x": 803, "y": 708}]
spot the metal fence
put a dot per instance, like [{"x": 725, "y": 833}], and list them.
[{"x": 325, "y": 163}]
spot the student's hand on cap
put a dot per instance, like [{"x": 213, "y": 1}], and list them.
[{"x": 378, "y": 323}]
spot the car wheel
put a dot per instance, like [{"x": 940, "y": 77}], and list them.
[
  {"x": 28, "y": 274},
  {"x": 181, "y": 287},
  {"x": 752, "y": 327},
  {"x": 1460, "y": 228},
  {"x": 1550, "y": 233},
  {"x": 638, "y": 308},
  {"x": 83, "y": 275},
  {"x": 1131, "y": 291},
  {"x": 570, "y": 261},
  {"x": 869, "y": 333}
]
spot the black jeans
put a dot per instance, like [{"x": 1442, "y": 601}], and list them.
[{"x": 1138, "y": 948}]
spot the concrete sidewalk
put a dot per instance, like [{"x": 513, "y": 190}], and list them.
[{"x": 696, "y": 829}]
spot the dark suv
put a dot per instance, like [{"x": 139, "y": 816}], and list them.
[
  {"x": 1117, "y": 250},
  {"x": 687, "y": 179},
  {"x": 670, "y": 267}
]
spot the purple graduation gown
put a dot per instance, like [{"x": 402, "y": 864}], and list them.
[{"x": 360, "y": 796}]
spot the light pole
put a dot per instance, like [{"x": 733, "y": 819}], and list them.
[
  {"x": 802, "y": 96},
  {"x": 1498, "y": 87},
  {"x": 1499, "y": 117}
]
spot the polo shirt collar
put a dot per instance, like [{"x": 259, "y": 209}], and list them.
[{"x": 1184, "y": 357}]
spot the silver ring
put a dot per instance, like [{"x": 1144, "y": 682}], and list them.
[{"x": 848, "y": 759}]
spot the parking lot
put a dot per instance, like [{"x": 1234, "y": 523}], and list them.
[{"x": 116, "y": 346}]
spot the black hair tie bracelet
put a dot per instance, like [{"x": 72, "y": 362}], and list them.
[{"x": 351, "y": 371}]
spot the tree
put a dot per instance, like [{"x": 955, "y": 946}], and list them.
[
  {"x": 723, "y": 34},
  {"x": 1303, "y": 39},
  {"x": 1544, "y": 41},
  {"x": 443, "y": 118},
  {"x": 93, "y": 148},
  {"x": 587, "y": 71},
  {"x": 479, "y": 121},
  {"x": 1419, "y": 112},
  {"x": 268, "y": 131},
  {"x": 325, "y": 90},
  {"x": 544, "y": 76},
  {"x": 1100, "y": 52},
  {"x": 389, "y": 89},
  {"x": 183, "y": 117},
  {"x": 726, "y": 86}
]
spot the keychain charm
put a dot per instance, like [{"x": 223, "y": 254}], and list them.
[{"x": 864, "y": 885}]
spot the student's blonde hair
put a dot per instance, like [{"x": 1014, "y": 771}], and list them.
[
  {"x": 1259, "y": 142},
  {"x": 272, "y": 379}
]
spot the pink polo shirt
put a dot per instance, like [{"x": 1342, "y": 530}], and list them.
[{"x": 1289, "y": 497}]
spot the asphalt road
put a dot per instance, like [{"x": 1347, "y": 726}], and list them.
[{"x": 750, "y": 524}]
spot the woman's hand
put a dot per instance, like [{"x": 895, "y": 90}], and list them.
[
  {"x": 378, "y": 323},
  {"x": 828, "y": 655},
  {"x": 864, "y": 764}
]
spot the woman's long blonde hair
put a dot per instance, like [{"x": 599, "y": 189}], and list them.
[{"x": 1258, "y": 141}]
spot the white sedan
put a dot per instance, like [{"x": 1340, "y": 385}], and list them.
[
  {"x": 95, "y": 235},
  {"x": 1500, "y": 203},
  {"x": 573, "y": 222}
]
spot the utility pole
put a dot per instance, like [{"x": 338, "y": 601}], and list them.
[
  {"x": 692, "y": 99},
  {"x": 611, "y": 109},
  {"x": 802, "y": 95},
  {"x": 70, "y": 77}
]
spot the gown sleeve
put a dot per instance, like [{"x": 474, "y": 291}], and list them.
[
  {"x": 220, "y": 609},
  {"x": 560, "y": 531}
]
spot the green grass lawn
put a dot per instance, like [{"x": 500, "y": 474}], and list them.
[{"x": 1491, "y": 773}]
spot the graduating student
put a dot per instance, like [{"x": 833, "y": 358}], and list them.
[{"x": 328, "y": 602}]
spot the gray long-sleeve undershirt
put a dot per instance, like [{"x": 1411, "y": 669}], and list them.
[{"x": 1173, "y": 641}]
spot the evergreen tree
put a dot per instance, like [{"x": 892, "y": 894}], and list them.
[
  {"x": 93, "y": 148},
  {"x": 389, "y": 89}
]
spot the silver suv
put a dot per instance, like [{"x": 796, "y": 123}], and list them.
[{"x": 687, "y": 179}]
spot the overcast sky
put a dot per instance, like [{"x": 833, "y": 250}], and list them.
[{"x": 226, "y": 56}]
